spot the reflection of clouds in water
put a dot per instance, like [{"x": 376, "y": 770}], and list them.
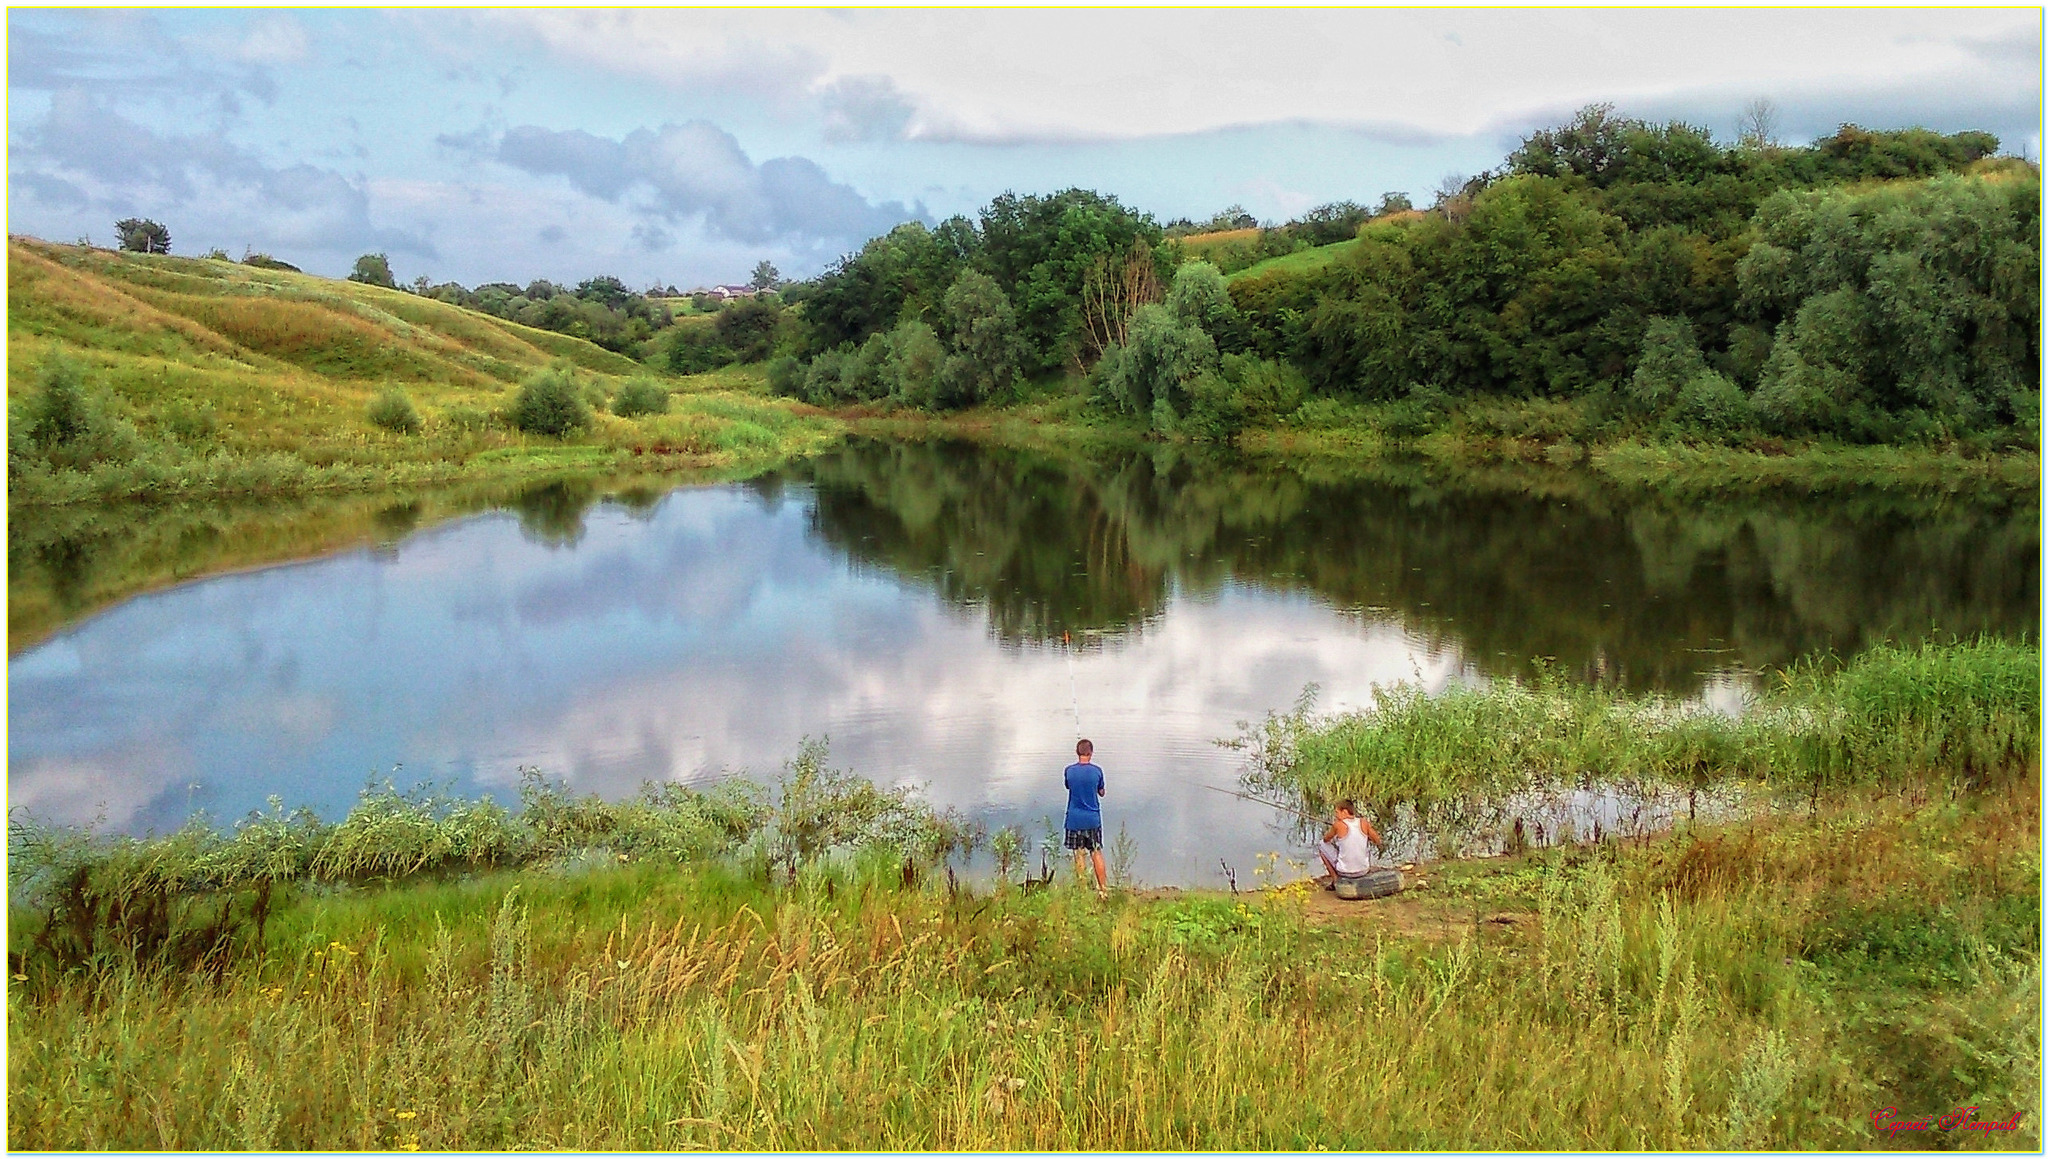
[
  {"x": 708, "y": 634},
  {"x": 910, "y": 692}
]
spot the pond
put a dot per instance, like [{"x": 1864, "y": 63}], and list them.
[{"x": 949, "y": 615}]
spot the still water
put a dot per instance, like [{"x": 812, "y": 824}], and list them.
[{"x": 949, "y": 616}]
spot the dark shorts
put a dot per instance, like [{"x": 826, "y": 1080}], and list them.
[{"x": 1078, "y": 839}]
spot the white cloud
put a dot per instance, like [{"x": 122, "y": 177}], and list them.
[{"x": 1018, "y": 76}]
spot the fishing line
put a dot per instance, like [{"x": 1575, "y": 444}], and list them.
[{"x": 1073, "y": 690}]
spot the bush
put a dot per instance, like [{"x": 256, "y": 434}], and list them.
[
  {"x": 58, "y": 413},
  {"x": 393, "y": 411},
  {"x": 1150, "y": 376},
  {"x": 697, "y": 349},
  {"x": 786, "y": 377},
  {"x": 641, "y": 396},
  {"x": 1424, "y": 410},
  {"x": 748, "y": 328},
  {"x": 467, "y": 418},
  {"x": 65, "y": 427},
  {"x": 549, "y": 403},
  {"x": 1247, "y": 391},
  {"x": 1710, "y": 404}
]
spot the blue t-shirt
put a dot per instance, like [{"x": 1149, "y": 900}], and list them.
[{"x": 1084, "y": 796}]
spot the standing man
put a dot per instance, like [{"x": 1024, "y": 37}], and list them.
[{"x": 1085, "y": 790}]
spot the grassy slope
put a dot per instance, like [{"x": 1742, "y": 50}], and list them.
[
  {"x": 1298, "y": 262},
  {"x": 1761, "y": 988},
  {"x": 246, "y": 380}
]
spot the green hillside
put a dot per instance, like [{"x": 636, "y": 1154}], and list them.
[{"x": 206, "y": 377}]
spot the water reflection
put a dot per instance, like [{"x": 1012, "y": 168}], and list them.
[
  {"x": 1642, "y": 591},
  {"x": 910, "y": 601}
]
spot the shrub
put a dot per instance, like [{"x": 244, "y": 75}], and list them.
[
  {"x": 1711, "y": 404},
  {"x": 58, "y": 413},
  {"x": 641, "y": 396},
  {"x": 786, "y": 377},
  {"x": 698, "y": 349},
  {"x": 468, "y": 418},
  {"x": 549, "y": 403},
  {"x": 393, "y": 410},
  {"x": 1150, "y": 376},
  {"x": 823, "y": 382},
  {"x": 64, "y": 426},
  {"x": 748, "y": 328},
  {"x": 1670, "y": 359}
]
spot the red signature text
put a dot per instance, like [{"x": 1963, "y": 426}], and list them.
[{"x": 1887, "y": 1121}]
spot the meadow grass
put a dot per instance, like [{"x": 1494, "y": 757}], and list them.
[
  {"x": 1768, "y": 987},
  {"x": 1299, "y": 262},
  {"x": 227, "y": 380}
]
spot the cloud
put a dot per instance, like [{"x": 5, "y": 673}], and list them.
[
  {"x": 1049, "y": 78},
  {"x": 697, "y": 170},
  {"x": 86, "y": 155},
  {"x": 131, "y": 54},
  {"x": 865, "y": 108}
]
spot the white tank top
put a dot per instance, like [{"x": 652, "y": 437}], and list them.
[{"x": 1354, "y": 854}]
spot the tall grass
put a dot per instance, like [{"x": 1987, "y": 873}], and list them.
[
  {"x": 196, "y": 897},
  {"x": 1967, "y": 714},
  {"x": 1727, "y": 991}
]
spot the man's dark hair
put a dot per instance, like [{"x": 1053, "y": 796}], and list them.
[
  {"x": 1085, "y": 748},
  {"x": 1345, "y": 805}
]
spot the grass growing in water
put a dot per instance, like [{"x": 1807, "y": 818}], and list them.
[{"x": 1965, "y": 714}]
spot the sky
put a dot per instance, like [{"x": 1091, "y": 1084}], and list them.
[{"x": 682, "y": 146}]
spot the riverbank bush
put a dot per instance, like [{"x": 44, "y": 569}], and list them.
[
  {"x": 1769, "y": 987},
  {"x": 1962, "y": 715}
]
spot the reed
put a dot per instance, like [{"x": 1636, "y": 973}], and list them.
[{"x": 1964, "y": 714}]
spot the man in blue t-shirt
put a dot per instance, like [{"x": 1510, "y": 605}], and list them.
[{"x": 1085, "y": 791}]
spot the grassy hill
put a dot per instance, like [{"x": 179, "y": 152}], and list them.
[{"x": 210, "y": 378}]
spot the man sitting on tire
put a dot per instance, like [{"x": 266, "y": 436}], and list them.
[{"x": 1346, "y": 849}]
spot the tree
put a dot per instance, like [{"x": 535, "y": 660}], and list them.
[
  {"x": 982, "y": 329},
  {"x": 143, "y": 236},
  {"x": 1394, "y": 202},
  {"x": 1758, "y": 127},
  {"x": 1040, "y": 249},
  {"x": 373, "y": 270},
  {"x": 766, "y": 276},
  {"x": 748, "y": 329},
  {"x": 1112, "y": 292}
]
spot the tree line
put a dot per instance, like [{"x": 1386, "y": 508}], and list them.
[{"x": 1869, "y": 286}]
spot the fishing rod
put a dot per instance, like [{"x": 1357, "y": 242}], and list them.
[
  {"x": 1262, "y": 801},
  {"x": 1073, "y": 691}
]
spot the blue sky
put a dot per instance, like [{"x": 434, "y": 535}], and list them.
[{"x": 682, "y": 146}]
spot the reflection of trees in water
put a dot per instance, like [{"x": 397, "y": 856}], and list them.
[
  {"x": 552, "y": 513},
  {"x": 1643, "y": 591}
]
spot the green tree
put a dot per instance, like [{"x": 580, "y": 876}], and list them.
[
  {"x": 982, "y": 332},
  {"x": 1041, "y": 249},
  {"x": 766, "y": 276},
  {"x": 1151, "y": 375},
  {"x": 374, "y": 270},
  {"x": 143, "y": 236},
  {"x": 749, "y": 328}
]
